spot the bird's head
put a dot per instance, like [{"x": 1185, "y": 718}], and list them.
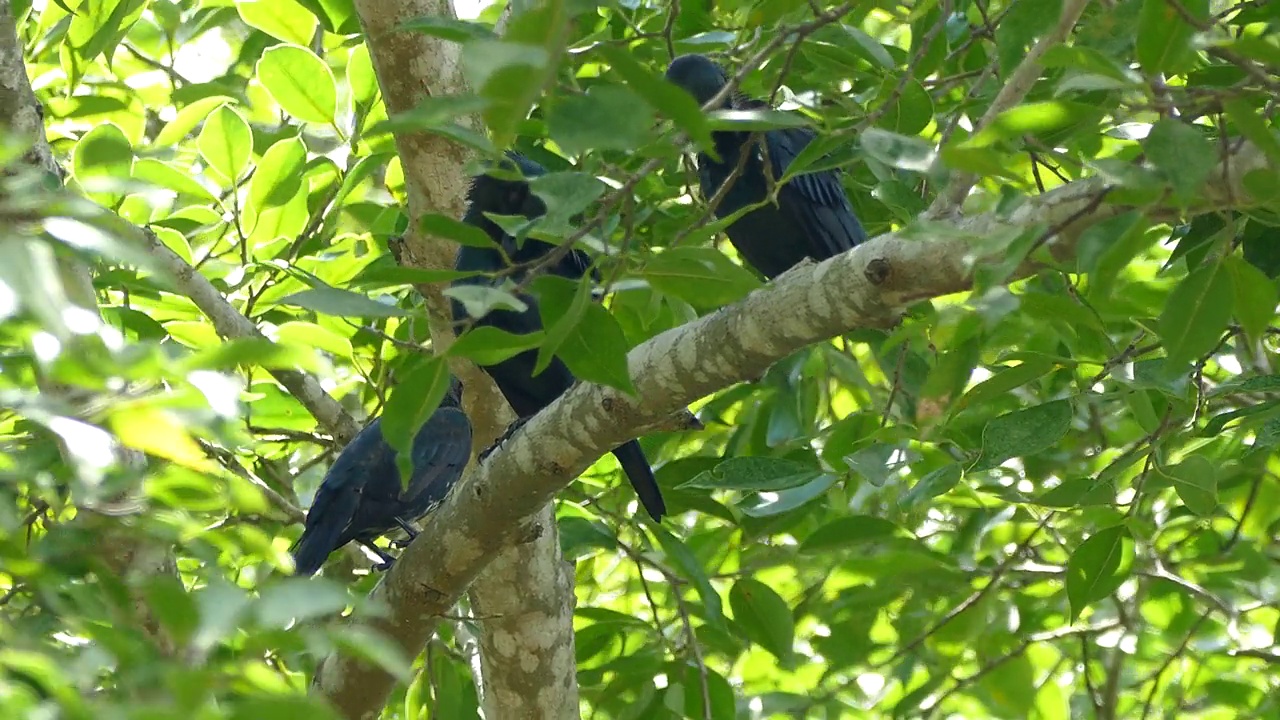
[
  {"x": 454, "y": 395},
  {"x": 700, "y": 77}
]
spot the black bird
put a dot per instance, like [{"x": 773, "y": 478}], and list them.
[
  {"x": 529, "y": 393},
  {"x": 361, "y": 497},
  {"x": 812, "y": 217}
]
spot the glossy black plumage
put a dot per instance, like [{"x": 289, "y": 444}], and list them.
[
  {"x": 812, "y": 218},
  {"x": 360, "y": 497},
  {"x": 529, "y": 393}
]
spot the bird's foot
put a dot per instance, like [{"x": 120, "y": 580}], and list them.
[
  {"x": 408, "y": 530},
  {"x": 506, "y": 435},
  {"x": 385, "y": 565},
  {"x": 387, "y": 560}
]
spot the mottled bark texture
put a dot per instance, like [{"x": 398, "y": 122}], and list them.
[
  {"x": 866, "y": 287},
  {"x": 525, "y": 599},
  {"x": 128, "y": 555}
]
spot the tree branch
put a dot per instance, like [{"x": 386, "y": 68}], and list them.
[{"x": 496, "y": 503}]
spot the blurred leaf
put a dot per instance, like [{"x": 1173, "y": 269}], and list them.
[
  {"x": 158, "y": 433},
  {"x": 1182, "y": 153},
  {"x": 415, "y": 399},
  {"x": 1196, "y": 314},
  {"x": 1256, "y": 297},
  {"x": 848, "y": 532},
  {"x": 335, "y": 301},
  {"x": 765, "y": 618},
  {"x": 1196, "y": 483},
  {"x": 606, "y": 117},
  {"x": 1164, "y": 36},
  {"x": 754, "y": 474},
  {"x": 703, "y": 277},
  {"x": 685, "y": 561},
  {"x": 1098, "y": 567},
  {"x": 282, "y": 19},
  {"x": 487, "y": 345}
]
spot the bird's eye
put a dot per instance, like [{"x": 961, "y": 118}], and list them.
[{"x": 515, "y": 196}]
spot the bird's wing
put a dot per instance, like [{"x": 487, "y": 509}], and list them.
[
  {"x": 329, "y": 518},
  {"x": 817, "y": 200},
  {"x": 440, "y": 452}
]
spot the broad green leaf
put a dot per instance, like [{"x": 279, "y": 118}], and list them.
[
  {"x": 283, "y": 19},
  {"x": 1024, "y": 432},
  {"x": 1048, "y": 120},
  {"x": 250, "y": 352},
  {"x": 480, "y": 300},
  {"x": 900, "y": 151},
  {"x": 451, "y": 29},
  {"x": 278, "y": 175},
  {"x": 1196, "y": 314},
  {"x": 361, "y": 78},
  {"x": 311, "y": 335},
  {"x": 687, "y": 563},
  {"x": 225, "y": 143},
  {"x": 166, "y": 176},
  {"x": 486, "y": 345},
  {"x": 1098, "y": 567},
  {"x": 754, "y": 474},
  {"x": 1014, "y": 376},
  {"x": 1256, "y": 297},
  {"x": 299, "y": 82},
  {"x": 338, "y": 16},
  {"x": 188, "y": 118},
  {"x": 562, "y": 304},
  {"x": 1164, "y": 37},
  {"x": 1248, "y": 121},
  {"x": 1196, "y": 482},
  {"x": 848, "y": 532},
  {"x": 1078, "y": 492},
  {"x": 415, "y": 397},
  {"x": 907, "y": 109},
  {"x": 566, "y": 194},
  {"x": 606, "y": 117},
  {"x": 336, "y": 301},
  {"x": 667, "y": 98},
  {"x": 755, "y": 119},
  {"x": 1183, "y": 155},
  {"x": 703, "y": 277},
  {"x": 765, "y": 617},
  {"x": 453, "y": 229},
  {"x": 158, "y": 432},
  {"x": 104, "y": 155},
  {"x": 596, "y": 350},
  {"x": 298, "y": 600},
  {"x": 937, "y": 482}
]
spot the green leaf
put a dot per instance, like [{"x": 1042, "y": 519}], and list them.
[
  {"x": 1079, "y": 492},
  {"x": 566, "y": 194},
  {"x": 299, "y": 82},
  {"x": 754, "y": 474},
  {"x": 450, "y": 228},
  {"x": 1182, "y": 154},
  {"x": 344, "y": 303},
  {"x": 595, "y": 350},
  {"x": 1164, "y": 37},
  {"x": 1010, "y": 378},
  {"x": 415, "y": 397},
  {"x": 562, "y": 304},
  {"x": 1196, "y": 314},
  {"x": 339, "y": 16},
  {"x": 907, "y": 152},
  {"x": 278, "y": 176},
  {"x": 480, "y": 300},
  {"x": 486, "y": 345},
  {"x": 1024, "y": 432},
  {"x": 250, "y": 352},
  {"x": 103, "y": 154},
  {"x": 868, "y": 47},
  {"x": 938, "y": 482},
  {"x": 1248, "y": 121},
  {"x": 687, "y": 563},
  {"x": 166, "y": 176},
  {"x": 188, "y": 118},
  {"x": 1196, "y": 482},
  {"x": 765, "y": 618},
  {"x": 908, "y": 109},
  {"x": 755, "y": 119},
  {"x": 1255, "y": 297},
  {"x": 311, "y": 335},
  {"x": 702, "y": 277},
  {"x": 283, "y": 19},
  {"x": 361, "y": 78},
  {"x": 1047, "y": 120},
  {"x": 849, "y": 532},
  {"x": 607, "y": 117},
  {"x": 667, "y": 98},
  {"x": 299, "y": 600},
  {"x": 1098, "y": 567},
  {"x": 225, "y": 143}
]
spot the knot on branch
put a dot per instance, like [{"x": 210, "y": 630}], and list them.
[{"x": 878, "y": 271}]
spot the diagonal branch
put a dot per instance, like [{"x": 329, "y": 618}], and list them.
[{"x": 865, "y": 287}]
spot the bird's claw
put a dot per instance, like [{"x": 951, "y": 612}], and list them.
[
  {"x": 385, "y": 565},
  {"x": 506, "y": 435}
]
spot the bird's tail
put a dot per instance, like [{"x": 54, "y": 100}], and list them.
[
  {"x": 636, "y": 466},
  {"x": 314, "y": 546}
]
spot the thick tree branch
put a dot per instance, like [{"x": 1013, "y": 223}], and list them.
[
  {"x": 866, "y": 287},
  {"x": 526, "y": 637}
]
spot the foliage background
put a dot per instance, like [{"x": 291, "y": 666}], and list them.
[{"x": 1047, "y": 499}]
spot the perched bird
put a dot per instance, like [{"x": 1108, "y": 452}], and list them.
[
  {"x": 812, "y": 216},
  {"x": 528, "y": 393},
  {"x": 361, "y": 496}
]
